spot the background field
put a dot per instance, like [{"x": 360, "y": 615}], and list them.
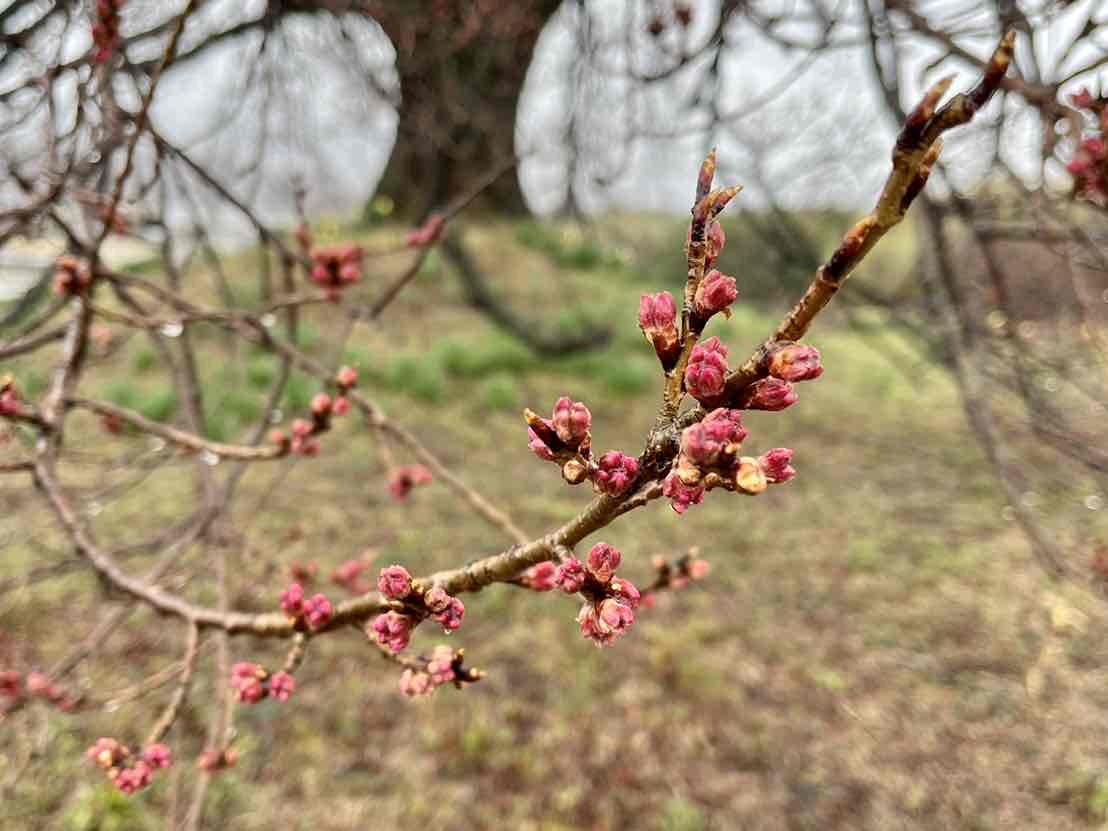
[{"x": 874, "y": 647}]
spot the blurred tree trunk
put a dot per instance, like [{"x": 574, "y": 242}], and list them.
[{"x": 462, "y": 65}]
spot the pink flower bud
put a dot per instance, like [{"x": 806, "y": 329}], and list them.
[
  {"x": 393, "y": 631},
  {"x": 107, "y": 753},
  {"x": 346, "y": 378},
  {"x": 318, "y": 611},
  {"x": 158, "y": 756},
  {"x": 715, "y": 239},
  {"x": 133, "y": 779},
  {"x": 658, "y": 321},
  {"x": 37, "y": 684},
  {"x": 571, "y": 421},
  {"x": 321, "y": 405},
  {"x": 341, "y": 407},
  {"x": 775, "y": 464},
  {"x": 11, "y": 684},
  {"x": 436, "y": 599},
  {"x": 680, "y": 495},
  {"x": 450, "y": 618},
  {"x": 625, "y": 590},
  {"x": 541, "y": 577},
  {"x": 715, "y": 293},
  {"x": 414, "y": 684},
  {"x": 538, "y": 446},
  {"x": 570, "y": 576},
  {"x": 707, "y": 370},
  {"x": 349, "y": 576},
  {"x": 282, "y": 686},
  {"x": 441, "y": 665},
  {"x": 394, "y": 582},
  {"x": 292, "y": 600},
  {"x": 796, "y": 362},
  {"x": 276, "y": 436},
  {"x": 615, "y": 473},
  {"x": 246, "y": 681},
  {"x": 301, "y": 428},
  {"x": 770, "y": 394},
  {"x": 404, "y": 479},
  {"x": 603, "y": 561}
]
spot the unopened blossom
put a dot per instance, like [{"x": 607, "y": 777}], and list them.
[
  {"x": 341, "y": 406},
  {"x": 336, "y": 268},
  {"x": 571, "y": 576},
  {"x": 796, "y": 362},
  {"x": 715, "y": 293},
  {"x": 107, "y": 753},
  {"x": 321, "y": 405},
  {"x": 10, "y": 405},
  {"x": 133, "y": 779},
  {"x": 776, "y": 465},
  {"x": 282, "y": 686},
  {"x": 715, "y": 239},
  {"x": 71, "y": 277},
  {"x": 698, "y": 568},
  {"x": 158, "y": 756},
  {"x": 349, "y": 576},
  {"x": 538, "y": 446},
  {"x": 394, "y": 582},
  {"x": 318, "y": 611},
  {"x": 615, "y": 473},
  {"x": 292, "y": 600},
  {"x": 346, "y": 378},
  {"x": 680, "y": 495},
  {"x": 393, "y": 631},
  {"x": 571, "y": 421},
  {"x": 623, "y": 589},
  {"x": 414, "y": 683},
  {"x": 37, "y": 684},
  {"x": 441, "y": 665},
  {"x": 603, "y": 560},
  {"x": 246, "y": 681},
  {"x": 707, "y": 370},
  {"x": 450, "y": 618},
  {"x": 405, "y": 478},
  {"x": 541, "y": 577},
  {"x": 658, "y": 321},
  {"x": 436, "y": 599},
  {"x": 770, "y": 394}
]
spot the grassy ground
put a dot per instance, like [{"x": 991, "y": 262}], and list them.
[{"x": 874, "y": 649}]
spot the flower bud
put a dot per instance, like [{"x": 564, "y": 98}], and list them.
[
  {"x": 571, "y": 421},
  {"x": 341, "y": 406},
  {"x": 282, "y": 686},
  {"x": 707, "y": 370},
  {"x": 603, "y": 561},
  {"x": 658, "y": 321},
  {"x": 541, "y": 577},
  {"x": 680, "y": 495},
  {"x": 715, "y": 293},
  {"x": 436, "y": 599},
  {"x": 404, "y": 479},
  {"x": 292, "y": 600},
  {"x": 615, "y": 473},
  {"x": 570, "y": 576},
  {"x": 625, "y": 590},
  {"x": 318, "y": 611},
  {"x": 321, "y": 405},
  {"x": 346, "y": 378},
  {"x": 775, "y": 465},
  {"x": 770, "y": 394},
  {"x": 538, "y": 446},
  {"x": 451, "y": 617},
  {"x": 157, "y": 756},
  {"x": 107, "y": 753},
  {"x": 394, "y": 582},
  {"x": 246, "y": 681},
  {"x": 414, "y": 683},
  {"x": 393, "y": 631},
  {"x": 796, "y": 362},
  {"x": 715, "y": 239}
]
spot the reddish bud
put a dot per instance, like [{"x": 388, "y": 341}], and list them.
[
  {"x": 246, "y": 681},
  {"x": 318, "y": 611},
  {"x": 133, "y": 779},
  {"x": 538, "y": 446},
  {"x": 770, "y": 394},
  {"x": 158, "y": 756},
  {"x": 394, "y": 582},
  {"x": 393, "y": 631},
  {"x": 450, "y": 618},
  {"x": 680, "y": 495},
  {"x": 603, "y": 561},
  {"x": 107, "y": 753},
  {"x": 715, "y": 293},
  {"x": 414, "y": 683},
  {"x": 436, "y": 599},
  {"x": 571, "y": 421},
  {"x": 541, "y": 577},
  {"x": 615, "y": 473},
  {"x": 321, "y": 405},
  {"x": 775, "y": 465},
  {"x": 404, "y": 479},
  {"x": 715, "y": 239},
  {"x": 658, "y": 321},
  {"x": 341, "y": 406},
  {"x": 707, "y": 370},
  {"x": 570, "y": 576},
  {"x": 796, "y": 362},
  {"x": 282, "y": 686},
  {"x": 292, "y": 600},
  {"x": 346, "y": 378}
]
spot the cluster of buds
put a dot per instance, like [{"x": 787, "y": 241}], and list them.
[
  {"x": 676, "y": 574},
  {"x": 128, "y": 773},
  {"x": 393, "y": 630},
  {"x": 403, "y": 479},
  {"x": 303, "y": 572},
  {"x": 105, "y": 31},
  {"x": 565, "y": 439},
  {"x": 16, "y": 688},
  {"x": 351, "y": 576},
  {"x": 1089, "y": 165},
  {"x": 251, "y": 683},
  {"x": 303, "y": 441},
  {"x": 610, "y": 601},
  {"x": 428, "y": 233},
  {"x": 334, "y": 269},
  {"x": 345, "y": 380},
  {"x": 71, "y": 277},
  {"x": 314, "y": 612},
  {"x": 445, "y": 666}
]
